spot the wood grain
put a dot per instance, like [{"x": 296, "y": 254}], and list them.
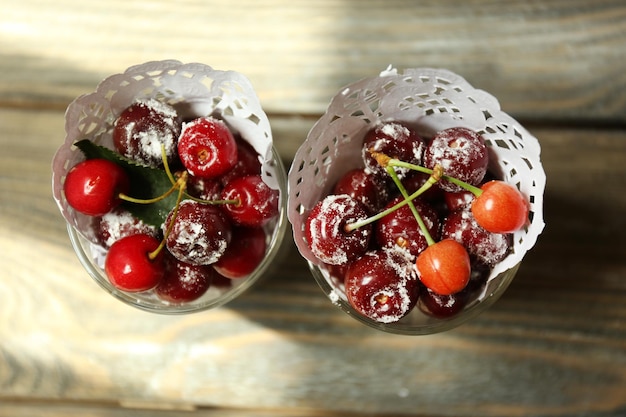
[
  {"x": 544, "y": 60},
  {"x": 554, "y": 344}
]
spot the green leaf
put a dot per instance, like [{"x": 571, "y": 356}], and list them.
[{"x": 145, "y": 183}]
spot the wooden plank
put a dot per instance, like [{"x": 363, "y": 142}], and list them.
[
  {"x": 555, "y": 344},
  {"x": 554, "y": 61}
]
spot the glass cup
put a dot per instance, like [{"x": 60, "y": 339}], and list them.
[
  {"x": 428, "y": 100},
  {"x": 194, "y": 90}
]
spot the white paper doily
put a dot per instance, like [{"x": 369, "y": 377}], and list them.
[
  {"x": 193, "y": 89},
  {"x": 428, "y": 100}
]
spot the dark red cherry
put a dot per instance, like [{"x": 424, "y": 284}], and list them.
[
  {"x": 382, "y": 285},
  {"x": 143, "y": 128},
  {"x": 244, "y": 254},
  {"x": 119, "y": 223},
  {"x": 442, "y": 306},
  {"x": 414, "y": 181},
  {"x": 128, "y": 265},
  {"x": 93, "y": 186},
  {"x": 394, "y": 140},
  {"x": 400, "y": 228},
  {"x": 200, "y": 233},
  {"x": 326, "y": 234},
  {"x": 458, "y": 200},
  {"x": 462, "y": 154},
  {"x": 248, "y": 162},
  {"x": 183, "y": 282},
  {"x": 257, "y": 202},
  {"x": 364, "y": 187},
  {"x": 483, "y": 246},
  {"x": 204, "y": 188}
]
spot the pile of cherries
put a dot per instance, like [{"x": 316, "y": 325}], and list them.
[
  {"x": 214, "y": 232},
  {"x": 421, "y": 223}
]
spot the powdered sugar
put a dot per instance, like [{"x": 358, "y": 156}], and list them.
[{"x": 326, "y": 234}]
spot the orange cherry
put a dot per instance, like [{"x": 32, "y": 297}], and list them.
[
  {"x": 444, "y": 267},
  {"x": 500, "y": 208}
]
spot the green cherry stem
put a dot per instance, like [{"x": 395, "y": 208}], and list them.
[
  {"x": 408, "y": 199},
  {"x": 434, "y": 177},
  {"x": 385, "y": 161},
  {"x": 181, "y": 191}
]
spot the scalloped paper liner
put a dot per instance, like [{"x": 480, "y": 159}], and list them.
[
  {"x": 194, "y": 89},
  {"x": 429, "y": 100}
]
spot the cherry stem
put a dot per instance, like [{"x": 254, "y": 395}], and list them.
[
  {"x": 177, "y": 184},
  {"x": 349, "y": 227},
  {"x": 434, "y": 177},
  {"x": 181, "y": 191},
  {"x": 386, "y": 161}
]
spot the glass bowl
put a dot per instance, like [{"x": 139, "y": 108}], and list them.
[
  {"x": 417, "y": 322},
  {"x": 427, "y": 100},
  {"x": 194, "y": 90},
  {"x": 92, "y": 258}
]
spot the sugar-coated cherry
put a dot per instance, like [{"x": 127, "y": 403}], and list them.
[
  {"x": 382, "y": 285},
  {"x": 119, "y": 223},
  {"x": 248, "y": 162},
  {"x": 444, "y": 267},
  {"x": 244, "y": 254},
  {"x": 326, "y": 234},
  {"x": 257, "y": 202},
  {"x": 364, "y": 187},
  {"x": 93, "y": 186},
  {"x": 183, "y": 282},
  {"x": 483, "y": 246},
  {"x": 400, "y": 228},
  {"x": 200, "y": 233},
  {"x": 207, "y": 148},
  {"x": 128, "y": 265},
  {"x": 394, "y": 140},
  {"x": 462, "y": 154},
  {"x": 500, "y": 208},
  {"x": 442, "y": 306},
  {"x": 143, "y": 128},
  {"x": 204, "y": 188},
  {"x": 414, "y": 181},
  {"x": 458, "y": 200}
]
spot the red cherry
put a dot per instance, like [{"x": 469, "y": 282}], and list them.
[
  {"x": 442, "y": 306},
  {"x": 394, "y": 140},
  {"x": 143, "y": 128},
  {"x": 93, "y": 186},
  {"x": 119, "y": 223},
  {"x": 183, "y": 282},
  {"x": 207, "y": 148},
  {"x": 501, "y": 208},
  {"x": 364, "y": 187},
  {"x": 325, "y": 230},
  {"x": 258, "y": 203},
  {"x": 200, "y": 233},
  {"x": 462, "y": 154},
  {"x": 444, "y": 267},
  {"x": 244, "y": 254},
  {"x": 248, "y": 162},
  {"x": 129, "y": 267},
  {"x": 382, "y": 285}
]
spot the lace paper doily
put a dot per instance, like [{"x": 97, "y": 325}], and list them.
[
  {"x": 429, "y": 100},
  {"x": 193, "y": 89}
]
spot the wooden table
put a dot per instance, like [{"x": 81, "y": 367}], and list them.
[{"x": 553, "y": 345}]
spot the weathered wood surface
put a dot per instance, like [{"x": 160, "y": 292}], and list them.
[
  {"x": 546, "y": 60},
  {"x": 553, "y": 345}
]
